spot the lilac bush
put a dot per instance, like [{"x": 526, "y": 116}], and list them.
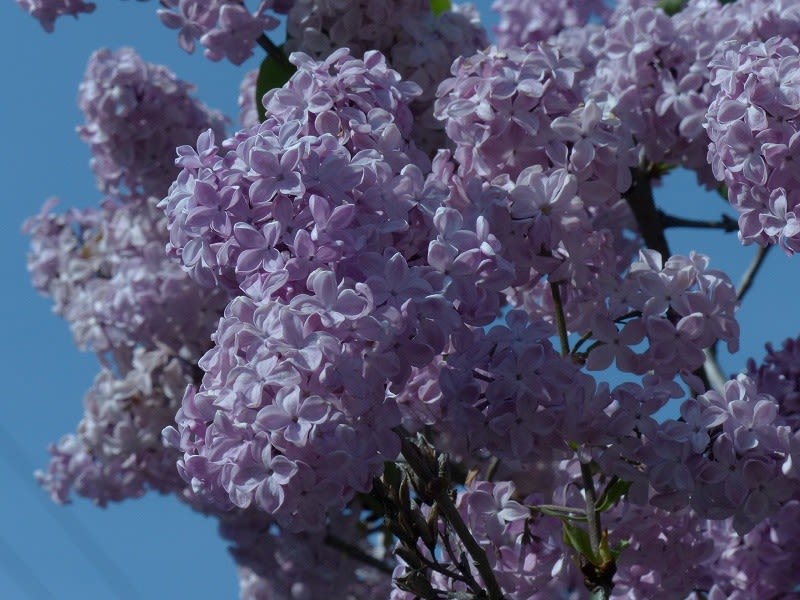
[{"x": 373, "y": 331}]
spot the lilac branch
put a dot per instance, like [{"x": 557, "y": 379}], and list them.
[
  {"x": 601, "y": 585},
  {"x": 727, "y": 223},
  {"x": 438, "y": 489},
  {"x": 560, "y": 321},
  {"x": 752, "y": 270},
  {"x": 272, "y": 50},
  {"x": 713, "y": 369}
]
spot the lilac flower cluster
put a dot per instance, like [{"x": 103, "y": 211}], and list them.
[
  {"x": 529, "y": 21},
  {"x": 276, "y": 564},
  {"x": 309, "y": 218},
  {"x": 322, "y": 162},
  {"x": 499, "y": 106},
  {"x": 762, "y": 563},
  {"x": 731, "y": 455},
  {"x": 136, "y": 114},
  {"x": 111, "y": 281},
  {"x": 754, "y": 126},
  {"x": 117, "y": 452},
  {"x": 655, "y": 69},
  {"x": 669, "y": 553},
  {"x": 684, "y": 308},
  {"x": 508, "y": 392},
  {"x": 47, "y": 11},
  {"x": 418, "y": 44},
  {"x": 226, "y": 28},
  {"x": 124, "y": 299}
]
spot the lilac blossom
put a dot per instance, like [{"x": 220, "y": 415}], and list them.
[
  {"x": 136, "y": 114},
  {"x": 428, "y": 235}
]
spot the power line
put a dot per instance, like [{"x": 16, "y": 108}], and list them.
[
  {"x": 103, "y": 564},
  {"x": 21, "y": 572}
]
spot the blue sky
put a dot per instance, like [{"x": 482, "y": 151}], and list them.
[{"x": 154, "y": 547}]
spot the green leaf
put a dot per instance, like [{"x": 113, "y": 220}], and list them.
[
  {"x": 671, "y": 7},
  {"x": 578, "y": 538},
  {"x": 611, "y": 495},
  {"x": 562, "y": 512},
  {"x": 272, "y": 74},
  {"x": 619, "y": 547},
  {"x": 440, "y": 6}
]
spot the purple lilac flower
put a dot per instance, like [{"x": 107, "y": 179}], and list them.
[
  {"x": 753, "y": 127},
  {"x": 136, "y": 114},
  {"x": 418, "y": 44},
  {"x": 47, "y": 11},
  {"x": 528, "y": 21}
]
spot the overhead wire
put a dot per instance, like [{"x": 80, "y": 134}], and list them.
[{"x": 107, "y": 569}]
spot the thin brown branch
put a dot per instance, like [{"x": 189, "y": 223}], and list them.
[
  {"x": 726, "y": 223},
  {"x": 561, "y": 322},
  {"x": 272, "y": 50},
  {"x": 441, "y": 494}
]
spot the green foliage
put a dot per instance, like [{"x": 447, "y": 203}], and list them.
[
  {"x": 671, "y": 7},
  {"x": 440, "y": 6},
  {"x": 615, "y": 490},
  {"x": 272, "y": 73},
  {"x": 577, "y": 538}
]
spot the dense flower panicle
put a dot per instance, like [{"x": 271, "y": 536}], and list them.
[
  {"x": 330, "y": 173},
  {"x": 334, "y": 276},
  {"x": 418, "y": 44},
  {"x": 529, "y": 21},
  {"x": 669, "y": 553},
  {"x": 655, "y": 69},
  {"x": 762, "y": 563},
  {"x": 111, "y": 281},
  {"x": 779, "y": 376},
  {"x": 305, "y": 215},
  {"x": 276, "y": 564},
  {"x": 136, "y": 114},
  {"x": 730, "y": 455},
  {"x": 47, "y": 11},
  {"x": 117, "y": 452},
  {"x": 507, "y": 391},
  {"x": 754, "y": 126},
  {"x": 519, "y": 120}
]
